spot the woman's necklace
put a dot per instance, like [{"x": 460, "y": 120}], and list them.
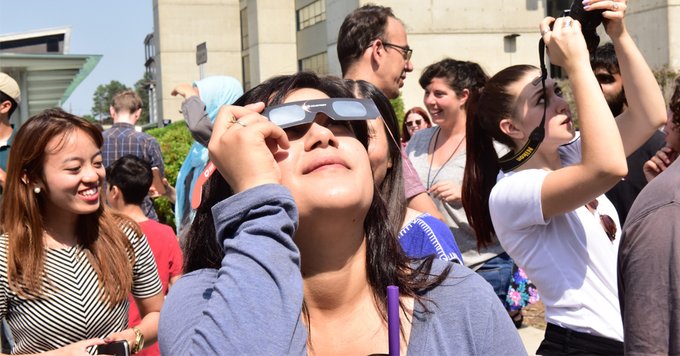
[{"x": 434, "y": 147}]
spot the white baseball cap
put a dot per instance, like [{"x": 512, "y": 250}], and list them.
[{"x": 10, "y": 87}]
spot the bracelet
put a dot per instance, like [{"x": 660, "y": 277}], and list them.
[{"x": 139, "y": 340}]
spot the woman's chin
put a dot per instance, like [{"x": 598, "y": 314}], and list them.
[{"x": 337, "y": 201}]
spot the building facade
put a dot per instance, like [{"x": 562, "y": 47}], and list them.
[{"x": 253, "y": 40}]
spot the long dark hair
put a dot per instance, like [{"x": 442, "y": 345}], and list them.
[
  {"x": 200, "y": 249},
  {"x": 386, "y": 263},
  {"x": 392, "y": 186},
  {"x": 486, "y": 108}
]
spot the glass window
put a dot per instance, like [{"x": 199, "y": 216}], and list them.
[
  {"x": 317, "y": 63},
  {"x": 245, "y": 65},
  {"x": 311, "y": 14},
  {"x": 244, "y": 29}
]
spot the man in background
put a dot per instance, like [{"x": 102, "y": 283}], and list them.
[
  {"x": 372, "y": 46},
  {"x": 10, "y": 97},
  {"x": 606, "y": 68},
  {"x": 128, "y": 181},
  {"x": 649, "y": 255},
  {"x": 122, "y": 139}
]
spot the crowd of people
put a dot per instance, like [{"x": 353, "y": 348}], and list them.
[{"x": 485, "y": 201}]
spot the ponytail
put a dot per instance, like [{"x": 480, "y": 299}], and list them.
[
  {"x": 481, "y": 169},
  {"x": 486, "y": 108}
]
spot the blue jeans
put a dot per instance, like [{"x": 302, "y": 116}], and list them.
[{"x": 498, "y": 272}]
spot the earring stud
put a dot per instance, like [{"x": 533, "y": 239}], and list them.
[{"x": 36, "y": 190}]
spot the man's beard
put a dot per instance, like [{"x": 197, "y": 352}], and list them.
[{"x": 617, "y": 103}]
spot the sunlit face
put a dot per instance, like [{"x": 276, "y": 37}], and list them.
[
  {"x": 73, "y": 175},
  {"x": 393, "y": 70},
  {"x": 442, "y": 102},
  {"x": 326, "y": 167},
  {"x": 612, "y": 88},
  {"x": 415, "y": 122},
  {"x": 672, "y": 132},
  {"x": 559, "y": 128}
]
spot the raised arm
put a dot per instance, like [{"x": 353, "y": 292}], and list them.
[
  {"x": 603, "y": 161},
  {"x": 646, "y": 108},
  {"x": 257, "y": 298}
]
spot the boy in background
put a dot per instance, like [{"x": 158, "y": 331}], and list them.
[{"x": 128, "y": 181}]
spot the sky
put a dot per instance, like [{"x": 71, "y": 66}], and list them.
[{"x": 113, "y": 29}]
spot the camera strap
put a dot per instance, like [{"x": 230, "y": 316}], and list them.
[{"x": 513, "y": 160}]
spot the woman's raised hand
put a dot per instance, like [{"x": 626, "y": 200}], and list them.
[
  {"x": 565, "y": 43},
  {"x": 243, "y": 144},
  {"x": 613, "y": 12}
]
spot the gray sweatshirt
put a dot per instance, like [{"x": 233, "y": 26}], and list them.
[{"x": 252, "y": 304}]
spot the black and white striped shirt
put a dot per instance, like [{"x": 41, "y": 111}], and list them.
[{"x": 70, "y": 308}]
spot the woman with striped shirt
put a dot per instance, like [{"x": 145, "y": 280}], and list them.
[{"x": 66, "y": 262}]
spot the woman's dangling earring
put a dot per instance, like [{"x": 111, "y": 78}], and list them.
[{"x": 36, "y": 190}]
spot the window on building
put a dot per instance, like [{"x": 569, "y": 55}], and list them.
[
  {"x": 244, "y": 29},
  {"x": 245, "y": 65},
  {"x": 317, "y": 63},
  {"x": 311, "y": 14}
]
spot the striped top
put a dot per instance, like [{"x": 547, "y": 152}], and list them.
[{"x": 70, "y": 308}]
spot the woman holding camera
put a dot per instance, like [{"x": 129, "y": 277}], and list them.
[
  {"x": 67, "y": 264},
  {"x": 549, "y": 213}
]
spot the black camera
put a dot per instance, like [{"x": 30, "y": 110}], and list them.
[{"x": 589, "y": 21}]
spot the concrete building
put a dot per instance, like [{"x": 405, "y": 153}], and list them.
[{"x": 255, "y": 39}]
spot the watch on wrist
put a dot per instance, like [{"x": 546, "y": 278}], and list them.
[{"x": 139, "y": 341}]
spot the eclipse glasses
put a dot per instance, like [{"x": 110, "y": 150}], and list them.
[
  {"x": 299, "y": 113},
  {"x": 338, "y": 109}
]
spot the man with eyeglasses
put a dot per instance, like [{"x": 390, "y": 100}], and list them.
[{"x": 372, "y": 46}]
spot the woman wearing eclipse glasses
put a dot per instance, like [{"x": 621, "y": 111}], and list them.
[
  {"x": 291, "y": 252},
  {"x": 545, "y": 200}
]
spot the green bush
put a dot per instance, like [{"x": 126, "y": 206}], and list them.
[
  {"x": 175, "y": 141},
  {"x": 398, "y": 106}
]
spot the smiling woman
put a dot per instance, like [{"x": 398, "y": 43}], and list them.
[{"x": 62, "y": 251}]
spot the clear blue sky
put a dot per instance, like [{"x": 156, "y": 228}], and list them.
[{"x": 113, "y": 29}]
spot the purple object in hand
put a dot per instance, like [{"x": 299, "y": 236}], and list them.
[{"x": 393, "y": 319}]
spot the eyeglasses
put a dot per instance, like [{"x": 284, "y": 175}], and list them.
[
  {"x": 607, "y": 222},
  {"x": 406, "y": 51},
  {"x": 413, "y": 123},
  {"x": 303, "y": 112}
]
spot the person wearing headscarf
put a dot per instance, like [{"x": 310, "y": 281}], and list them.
[{"x": 203, "y": 100}]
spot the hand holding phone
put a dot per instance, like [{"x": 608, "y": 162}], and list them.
[{"x": 115, "y": 348}]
